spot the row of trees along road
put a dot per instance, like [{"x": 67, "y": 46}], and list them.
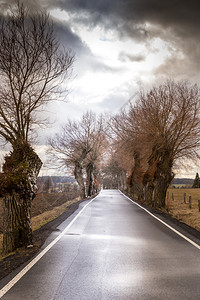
[
  {"x": 149, "y": 137},
  {"x": 80, "y": 145},
  {"x": 32, "y": 66},
  {"x": 159, "y": 130}
]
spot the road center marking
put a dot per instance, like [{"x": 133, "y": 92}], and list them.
[
  {"x": 11, "y": 283},
  {"x": 170, "y": 227}
]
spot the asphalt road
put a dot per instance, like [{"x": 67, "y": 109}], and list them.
[{"x": 113, "y": 250}]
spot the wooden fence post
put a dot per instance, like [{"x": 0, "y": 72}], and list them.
[
  {"x": 199, "y": 205},
  {"x": 190, "y": 201},
  {"x": 184, "y": 197}
]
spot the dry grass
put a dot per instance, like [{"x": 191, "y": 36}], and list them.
[
  {"x": 180, "y": 210},
  {"x": 45, "y": 217},
  {"x": 50, "y": 215},
  {"x": 175, "y": 205}
]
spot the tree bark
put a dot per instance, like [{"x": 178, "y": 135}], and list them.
[
  {"x": 148, "y": 192},
  {"x": 18, "y": 189},
  {"x": 78, "y": 173},
  {"x": 130, "y": 183},
  {"x": 17, "y": 222},
  {"x": 90, "y": 179},
  {"x": 161, "y": 187},
  {"x": 135, "y": 179},
  {"x": 148, "y": 180},
  {"x": 163, "y": 177}
]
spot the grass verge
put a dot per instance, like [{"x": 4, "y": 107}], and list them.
[
  {"x": 44, "y": 218},
  {"x": 180, "y": 210}
]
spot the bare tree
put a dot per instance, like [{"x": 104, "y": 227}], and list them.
[
  {"x": 162, "y": 127},
  {"x": 79, "y": 145},
  {"x": 131, "y": 149},
  {"x": 171, "y": 123},
  {"x": 93, "y": 159},
  {"x": 114, "y": 170},
  {"x": 32, "y": 66}
]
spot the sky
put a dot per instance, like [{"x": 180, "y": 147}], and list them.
[{"x": 120, "y": 46}]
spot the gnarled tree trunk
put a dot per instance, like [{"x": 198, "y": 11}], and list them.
[
  {"x": 161, "y": 186},
  {"x": 148, "y": 192},
  {"x": 90, "y": 178},
  {"x": 78, "y": 173},
  {"x": 18, "y": 188},
  {"x": 17, "y": 223},
  {"x": 134, "y": 181},
  {"x": 163, "y": 177},
  {"x": 148, "y": 180},
  {"x": 130, "y": 183}
]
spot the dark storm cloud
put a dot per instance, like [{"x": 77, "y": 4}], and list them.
[
  {"x": 130, "y": 17},
  {"x": 177, "y": 22},
  {"x": 70, "y": 39},
  {"x": 84, "y": 58}
]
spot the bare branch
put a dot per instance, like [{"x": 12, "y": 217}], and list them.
[{"x": 32, "y": 66}]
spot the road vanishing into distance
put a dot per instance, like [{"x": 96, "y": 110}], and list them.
[{"x": 110, "y": 249}]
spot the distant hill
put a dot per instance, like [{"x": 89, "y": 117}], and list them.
[
  {"x": 54, "y": 184},
  {"x": 183, "y": 181},
  {"x": 55, "y": 179}
]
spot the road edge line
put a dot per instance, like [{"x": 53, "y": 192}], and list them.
[
  {"x": 13, "y": 281},
  {"x": 167, "y": 225}
]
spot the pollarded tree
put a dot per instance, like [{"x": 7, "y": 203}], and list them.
[
  {"x": 169, "y": 121},
  {"x": 93, "y": 160},
  {"x": 161, "y": 128},
  {"x": 132, "y": 148},
  {"x": 78, "y": 146},
  {"x": 113, "y": 172},
  {"x": 32, "y": 65}
]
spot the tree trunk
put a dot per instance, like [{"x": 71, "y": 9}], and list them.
[
  {"x": 148, "y": 192},
  {"x": 123, "y": 180},
  {"x": 17, "y": 222},
  {"x": 163, "y": 177},
  {"x": 18, "y": 188},
  {"x": 78, "y": 173},
  {"x": 161, "y": 187},
  {"x": 90, "y": 179},
  {"x": 130, "y": 184},
  {"x": 134, "y": 181}
]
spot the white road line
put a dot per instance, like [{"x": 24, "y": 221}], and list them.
[
  {"x": 11, "y": 283},
  {"x": 170, "y": 227}
]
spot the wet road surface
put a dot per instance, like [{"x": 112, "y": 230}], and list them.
[{"x": 113, "y": 250}]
